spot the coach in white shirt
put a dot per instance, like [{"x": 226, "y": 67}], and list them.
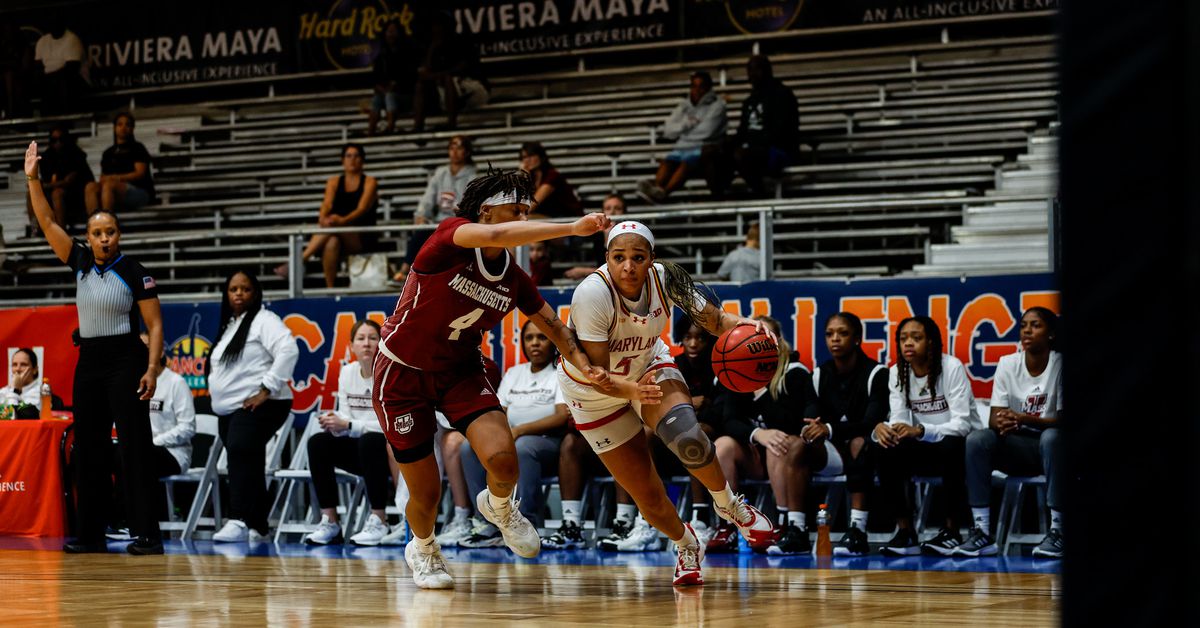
[
  {"x": 172, "y": 421},
  {"x": 250, "y": 371}
]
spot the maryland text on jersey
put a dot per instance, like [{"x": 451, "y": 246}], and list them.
[
  {"x": 632, "y": 343},
  {"x": 482, "y": 294}
]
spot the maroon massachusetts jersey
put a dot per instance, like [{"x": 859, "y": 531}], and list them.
[{"x": 449, "y": 299}]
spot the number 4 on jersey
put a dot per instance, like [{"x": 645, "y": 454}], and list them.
[{"x": 463, "y": 323}]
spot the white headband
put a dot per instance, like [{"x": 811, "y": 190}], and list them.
[
  {"x": 506, "y": 198},
  {"x": 630, "y": 226}
]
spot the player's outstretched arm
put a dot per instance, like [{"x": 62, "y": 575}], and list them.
[
  {"x": 717, "y": 321},
  {"x": 520, "y": 232}
]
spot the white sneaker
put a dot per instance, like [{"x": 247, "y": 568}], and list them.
[
  {"x": 454, "y": 532},
  {"x": 643, "y": 538},
  {"x": 690, "y": 554},
  {"x": 519, "y": 535},
  {"x": 372, "y": 533},
  {"x": 254, "y": 537},
  {"x": 397, "y": 535},
  {"x": 328, "y": 531},
  {"x": 234, "y": 531},
  {"x": 754, "y": 526},
  {"x": 703, "y": 532},
  {"x": 429, "y": 570}
]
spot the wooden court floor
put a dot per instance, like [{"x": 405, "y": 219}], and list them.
[{"x": 48, "y": 588}]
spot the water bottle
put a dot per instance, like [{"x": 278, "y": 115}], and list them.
[
  {"x": 47, "y": 399},
  {"x": 824, "y": 546}
]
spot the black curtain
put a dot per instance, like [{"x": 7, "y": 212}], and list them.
[{"x": 1130, "y": 278}]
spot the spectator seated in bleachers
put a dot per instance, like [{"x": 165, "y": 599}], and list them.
[
  {"x": 853, "y": 396},
  {"x": 450, "y": 66},
  {"x": 24, "y": 382},
  {"x": 350, "y": 200},
  {"x": 614, "y": 205},
  {"x": 743, "y": 263},
  {"x": 65, "y": 173},
  {"x": 932, "y": 410},
  {"x": 1022, "y": 438},
  {"x": 59, "y": 52},
  {"x": 126, "y": 181},
  {"x": 351, "y": 439},
  {"x": 767, "y": 138},
  {"x": 441, "y": 196},
  {"x": 697, "y": 122},
  {"x": 553, "y": 196},
  {"x": 537, "y": 416},
  {"x": 541, "y": 264},
  {"x": 394, "y": 74}
]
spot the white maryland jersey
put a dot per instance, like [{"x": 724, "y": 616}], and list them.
[{"x": 631, "y": 329}]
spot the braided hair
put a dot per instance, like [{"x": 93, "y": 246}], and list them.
[
  {"x": 683, "y": 290},
  {"x": 494, "y": 182},
  {"x": 933, "y": 341}
]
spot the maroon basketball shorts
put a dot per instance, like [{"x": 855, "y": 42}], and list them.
[{"x": 406, "y": 398}]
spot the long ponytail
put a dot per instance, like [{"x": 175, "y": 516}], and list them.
[{"x": 778, "y": 385}]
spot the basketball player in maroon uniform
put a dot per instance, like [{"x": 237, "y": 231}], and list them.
[{"x": 463, "y": 282}]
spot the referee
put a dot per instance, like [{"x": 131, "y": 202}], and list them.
[{"x": 115, "y": 376}]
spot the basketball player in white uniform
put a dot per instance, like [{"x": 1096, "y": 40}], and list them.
[{"x": 619, "y": 313}]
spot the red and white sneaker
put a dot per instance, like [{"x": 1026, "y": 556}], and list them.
[
  {"x": 757, "y": 529},
  {"x": 690, "y": 553}
]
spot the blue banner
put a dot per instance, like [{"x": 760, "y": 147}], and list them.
[{"x": 979, "y": 318}]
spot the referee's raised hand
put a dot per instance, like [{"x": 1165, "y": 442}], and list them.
[{"x": 31, "y": 161}]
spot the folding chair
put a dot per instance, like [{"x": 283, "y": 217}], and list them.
[
  {"x": 1010, "y": 511},
  {"x": 206, "y": 485},
  {"x": 298, "y": 515}
]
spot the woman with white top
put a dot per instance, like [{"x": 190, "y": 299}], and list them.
[
  {"x": 932, "y": 410},
  {"x": 351, "y": 439},
  {"x": 1023, "y": 436},
  {"x": 24, "y": 384},
  {"x": 619, "y": 313},
  {"x": 537, "y": 415},
  {"x": 172, "y": 421},
  {"x": 250, "y": 369}
]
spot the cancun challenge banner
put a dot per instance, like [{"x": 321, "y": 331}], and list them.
[{"x": 979, "y": 318}]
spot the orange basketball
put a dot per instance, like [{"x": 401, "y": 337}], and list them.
[{"x": 744, "y": 359}]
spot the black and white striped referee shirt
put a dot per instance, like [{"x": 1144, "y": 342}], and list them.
[{"x": 107, "y": 295}]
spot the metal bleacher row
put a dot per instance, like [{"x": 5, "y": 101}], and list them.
[{"x": 910, "y": 152}]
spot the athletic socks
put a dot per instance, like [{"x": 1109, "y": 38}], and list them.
[
  {"x": 1056, "y": 520},
  {"x": 700, "y": 513},
  {"x": 500, "y": 504},
  {"x": 426, "y": 545},
  {"x": 461, "y": 513},
  {"x": 858, "y": 519},
  {"x": 982, "y": 518},
  {"x": 723, "y": 497},
  {"x": 626, "y": 512},
  {"x": 783, "y": 517},
  {"x": 571, "y": 509},
  {"x": 797, "y": 518}
]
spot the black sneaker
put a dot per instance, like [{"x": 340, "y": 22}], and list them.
[
  {"x": 853, "y": 543},
  {"x": 143, "y": 546},
  {"x": 978, "y": 543},
  {"x": 944, "y": 543},
  {"x": 620, "y": 531},
  {"x": 568, "y": 536},
  {"x": 1051, "y": 546},
  {"x": 794, "y": 541},
  {"x": 903, "y": 544}
]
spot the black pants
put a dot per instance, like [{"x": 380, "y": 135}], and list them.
[
  {"x": 897, "y": 466},
  {"x": 365, "y": 456},
  {"x": 162, "y": 464},
  {"x": 106, "y": 383},
  {"x": 245, "y": 434},
  {"x": 860, "y": 471}
]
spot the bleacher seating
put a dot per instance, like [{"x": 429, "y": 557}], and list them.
[{"x": 914, "y": 158}]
